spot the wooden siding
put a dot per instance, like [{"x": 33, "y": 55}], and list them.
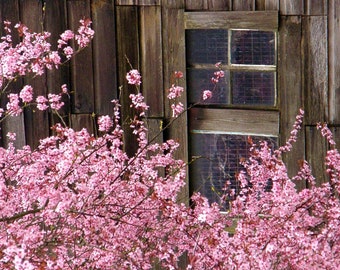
[{"x": 149, "y": 35}]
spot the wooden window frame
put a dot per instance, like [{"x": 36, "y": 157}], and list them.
[{"x": 235, "y": 119}]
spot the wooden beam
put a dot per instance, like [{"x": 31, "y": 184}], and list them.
[{"x": 262, "y": 20}]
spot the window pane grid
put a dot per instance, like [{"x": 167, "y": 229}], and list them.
[{"x": 248, "y": 59}]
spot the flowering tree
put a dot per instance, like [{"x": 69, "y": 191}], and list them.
[{"x": 79, "y": 202}]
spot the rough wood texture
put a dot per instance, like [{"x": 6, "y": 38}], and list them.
[
  {"x": 104, "y": 56},
  {"x": 36, "y": 122},
  {"x": 81, "y": 64},
  {"x": 315, "y": 75},
  {"x": 316, "y": 147},
  {"x": 233, "y": 19},
  {"x": 10, "y": 11},
  {"x": 290, "y": 86},
  {"x": 267, "y": 4},
  {"x": 152, "y": 59},
  {"x": 55, "y": 11},
  {"x": 334, "y": 61},
  {"x": 80, "y": 121},
  {"x": 292, "y": 7},
  {"x": 235, "y": 121},
  {"x": 243, "y": 5},
  {"x": 316, "y": 7},
  {"x": 128, "y": 54},
  {"x": 174, "y": 59},
  {"x": 208, "y": 5},
  {"x": 138, "y": 2}
]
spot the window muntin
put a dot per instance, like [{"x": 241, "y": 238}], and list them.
[{"x": 248, "y": 60}]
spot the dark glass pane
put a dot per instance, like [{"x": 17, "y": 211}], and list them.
[
  {"x": 253, "y": 47},
  {"x": 253, "y": 88},
  {"x": 206, "y": 46},
  {"x": 218, "y": 162},
  {"x": 200, "y": 79}
]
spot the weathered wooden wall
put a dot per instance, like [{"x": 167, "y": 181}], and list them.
[{"x": 149, "y": 33}]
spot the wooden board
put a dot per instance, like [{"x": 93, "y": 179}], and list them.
[
  {"x": 316, "y": 148},
  {"x": 81, "y": 64},
  {"x": 152, "y": 59},
  {"x": 104, "y": 56},
  {"x": 128, "y": 58},
  {"x": 36, "y": 122},
  {"x": 290, "y": 87},
  {"x": 80, "y": 121},
  {"x": 334, "y": 60},
  {"x": 243, "y": 5},
  {"x": 10, "y": 12},
  {"x": 55, "y": 22},
  {"x": 267, "y": 4},
  {"x": 208, "y": 5},
  {"x": 230, "y": 121},
  {"x": 174, "y": 60},
  {"x": 315, "y": 69},
  {"x": 316, "y": 8},
  {"x": 232, "y": 19},
  {"x": 138, "y": 2},
  {"x": 291, "y": 7}
]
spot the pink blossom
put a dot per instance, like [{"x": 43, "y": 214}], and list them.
[
  {"x": 207, "y": 94},
  {"x": 105, "y": 123},
  {"x": 85, "y": 33},
  {"x": 13, "y": 105},
  {"x": 55, "y": 101},
  {"x": 68, "y": 51},
  {"x": 26, "y": 94},
  {"x": 42, "y": 103},
  {"x": 177, "y": 109},
  {"x": 175, "y": 91},
  {"x": 178, "y": 74},
  {"x": 133, "y": 77}
]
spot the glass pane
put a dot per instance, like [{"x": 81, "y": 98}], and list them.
[
  {"x": 200, "y": 79},
  {"x": 253, "y": 88},
  {"x": 253, "y": 47},
  {"x": 218, "y": 162},
  {"x": 206, "y": 46}
]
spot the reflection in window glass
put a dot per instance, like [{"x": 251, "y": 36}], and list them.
[
  {"x": 253, "y": 88},
  {"x": 200, "y": 79},
  {"x": 218, "y": 162},
  {"x": 206, "y": 46},
  {"x": 253, "y": 47}
]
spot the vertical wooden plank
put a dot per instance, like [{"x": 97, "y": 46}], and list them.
[
  {"x": 104, "y": 52},
  {"x": 174, "y": 60},
  {"x": 10, "y": 12},
  {"x": 36, "y": 122},
  {"x": 334, "y": 61},
  {"x": 267, "y": 4},
  {"x": 151, "y": 59},
  {"x": 316, "y": 7},
  {"x": 196, "y": 5},
  {"x": 82, "y": 63},
  {"x": 80, "y": 121},
  {"x": 56, "y": 23},
  {"x": 316, "y": 148},
  {"x": 290, "y": 86},
  {"x": 216, "y": 5},
  {"x": 315, "y": 71},
  {"x": 127, "y": 48},
  {"x": 292, "y": 7},
  {"x": 243, "y": 5}
]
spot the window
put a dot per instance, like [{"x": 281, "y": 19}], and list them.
[{"x": 244, "y": 103}]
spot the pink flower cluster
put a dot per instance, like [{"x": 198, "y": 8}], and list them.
[
  {"x": 133, "y": 77},
  {"x": 32, "y": 56}
]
